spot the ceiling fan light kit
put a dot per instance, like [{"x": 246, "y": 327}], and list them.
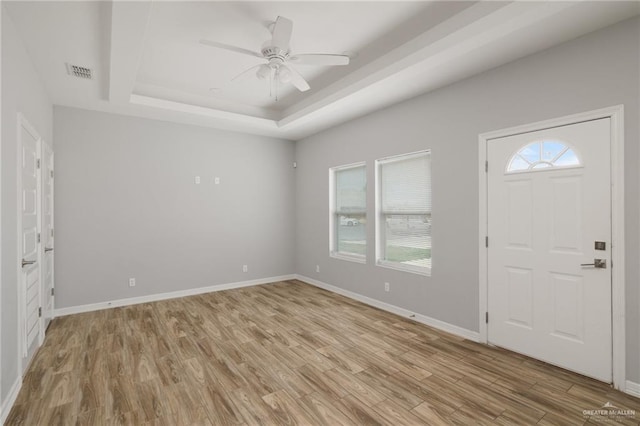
[
  {"x": 276, "y": 51},
  {"x": 284, "y": 74},
  {"x": 264, "y": 72}
]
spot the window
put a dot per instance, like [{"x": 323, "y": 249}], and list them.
[
  {"x": 404, "y": 212},
  {"x": 543, "y": 155},
  {"x": 349, "y": 212}
]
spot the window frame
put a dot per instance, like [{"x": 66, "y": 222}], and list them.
[
  {"x": 334, "y": 219},
  {"x": 380, "y": 216}
]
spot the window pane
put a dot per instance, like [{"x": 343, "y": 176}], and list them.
[
  {"x": 551, "y": 150},
  {"x": 349, "y": 216},
  {"x": 408, "y": 239},
  {"x": 351, "y": 234},
  {"x": 531, "y": 153},
  {"x": 518, "y": 163},
  {"x": 541, "y": 166},
  {"x": 569, "y": 158},
  {"x": 351, "y": 190},
  {"x": 405, "y": 212},
  {"x": 406, "y": 184}
]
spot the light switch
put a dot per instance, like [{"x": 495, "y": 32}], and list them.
[
  {"x": 197, "y": 180},
  {"x": 217, "y": 181}
]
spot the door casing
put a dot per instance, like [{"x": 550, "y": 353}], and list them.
[
  {"x": 47, "y": 166},
  {"x": 616, "y": 114}
]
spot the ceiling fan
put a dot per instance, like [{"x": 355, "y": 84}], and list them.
[{"x": 276, "y": 51}]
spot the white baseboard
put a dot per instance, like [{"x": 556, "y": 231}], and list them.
[
  {"x": 7, "y": 404},
  {"x": 632, "y": 388},
  {"x": 163, "y": 296},
  {"x": 431, "y": 322}
]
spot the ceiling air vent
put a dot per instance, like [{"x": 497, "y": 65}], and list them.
[{"x": 78, "y": 71}]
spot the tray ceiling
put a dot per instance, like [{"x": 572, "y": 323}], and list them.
[{"x": 146, "y": 59}]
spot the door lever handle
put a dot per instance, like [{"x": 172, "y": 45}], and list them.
[
  {"x": 48, "y": 249},
  {"x": 27, "y": 262},
  {"x": 597, "y": 263}
]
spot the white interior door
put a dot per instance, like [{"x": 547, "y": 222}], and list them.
[
  {"x": 29, "y": 244},
  {"x": 549, "y": 217},
  {"x": 47, "y": 235}
]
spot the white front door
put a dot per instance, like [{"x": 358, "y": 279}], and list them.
[
  {"x": 47, "y": 234},
  {"x": 549, "y": 255},
  {"x": 29, "y": 241}
]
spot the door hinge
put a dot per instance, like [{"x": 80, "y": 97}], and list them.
[
  {"x": 51, "y": 174},
  {"x": 52, "y": 232},
  {"x": 40, "y": 312},
  {"x": 486, "y": 166},
  {"x": 486, "y": 241},
  {"x": 38, "y": 237},
  {"x": 52, "y": 291},
  {"x": 486, "y": 317},
  {"x": 38, "y": 163}
]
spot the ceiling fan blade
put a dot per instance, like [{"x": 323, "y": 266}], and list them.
[
  {"x": 320, "y": 59},
  {"x": 297, "y": 79},
  {"x": 282, "y": 30},
  {"x": 231, "y": 48},
  {"x": 245, "y": 72}
]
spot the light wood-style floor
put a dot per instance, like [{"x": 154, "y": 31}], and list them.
[{"x": 287, "y": 353}]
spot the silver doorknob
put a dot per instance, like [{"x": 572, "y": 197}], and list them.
[
  {"x": 27, "y": 262},
  {"x": 48, "y": 249},
  {"x": 597, "y": 263}
]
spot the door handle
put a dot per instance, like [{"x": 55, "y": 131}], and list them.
[
  {"x": 597, "y": 263},
  {"x": 48, "y": 249},
  {"x": 27, "y": 262}
]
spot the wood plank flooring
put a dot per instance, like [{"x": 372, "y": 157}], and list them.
[{"x": 288, "y": 353}]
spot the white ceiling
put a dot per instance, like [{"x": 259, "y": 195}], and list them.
[{"x": 147, "y": 59}]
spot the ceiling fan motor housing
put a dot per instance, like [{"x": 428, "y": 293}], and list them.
[{"x": 274, "y": 52}]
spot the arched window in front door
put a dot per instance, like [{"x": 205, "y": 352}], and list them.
[{"x": 543, "y": 155}]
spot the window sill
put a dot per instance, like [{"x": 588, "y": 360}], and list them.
[
  {"x": 348, "y": 257},
  {"x": 425, "y": 271}
]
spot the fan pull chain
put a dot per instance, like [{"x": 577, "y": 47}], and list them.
[{"x": 271, "y": 84}]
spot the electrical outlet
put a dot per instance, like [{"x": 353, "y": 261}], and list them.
[
  {"x": 386, "y": 286},
  {"x": 132, "y": 282},
  {"x": 245, "y": 268},
  {"x": 197, "y": 180},
  {"x": 317, "y": 268}
]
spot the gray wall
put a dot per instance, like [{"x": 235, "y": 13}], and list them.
[
  {"x": 22, "y": 91},
  {"x": 126, "y": 206},
  {"x": 595, "y": 71}
]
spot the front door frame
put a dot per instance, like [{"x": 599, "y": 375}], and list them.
[{"x": 616, "y": 114}]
